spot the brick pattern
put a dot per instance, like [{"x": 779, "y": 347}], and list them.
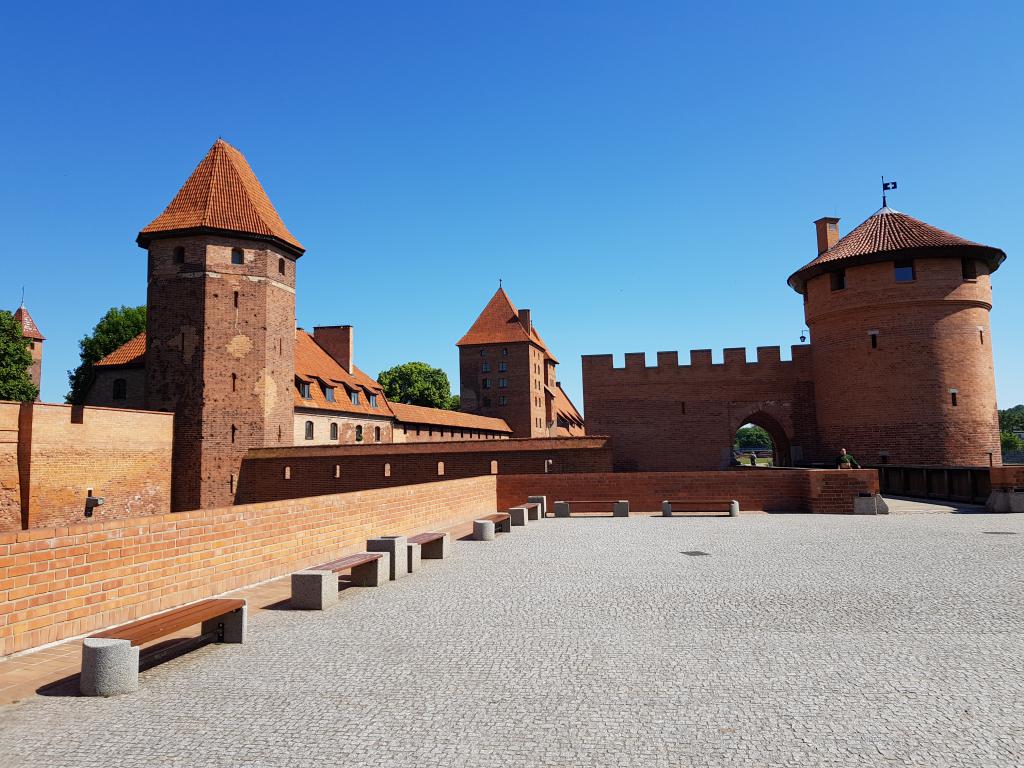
[
  {"x": 298, "y": 472},
  {"x": 61, "y": 582},
  {"x": 1004, "y": 478},
  {"x": 819, "y": 491},
  {"x": 51, "y": 456}
]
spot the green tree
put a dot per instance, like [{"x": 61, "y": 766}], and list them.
[
  {"x": 749, "y": 437},
  {"x": 1012, "y": 419},
  {"x": 118, "y": 326},
  {"x": 417, "y": 384},
  {"x": 1010, "y": 442},
  {"x": 15, "y": 359}
]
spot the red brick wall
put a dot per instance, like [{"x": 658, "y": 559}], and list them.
[
  {"x": 684, "y": 417},
  {"x": 410, "y": 432},
  {"x": 10, "y": 482},
  {"x": 102, "y": 390},
  {"x": 323, "y": 470},
  {"x": 123, "y": 456},
  {"x": 58, "y": 583},
  {"x": 1007, "y": 477},
  {"x": 771, "y": 490},
  {"x": 895, "y": 399}
]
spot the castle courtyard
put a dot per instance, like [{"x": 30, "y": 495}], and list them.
[{"x": 792, "y": 640}]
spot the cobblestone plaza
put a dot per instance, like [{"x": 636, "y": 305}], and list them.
[{"x": 763, "y": 640}]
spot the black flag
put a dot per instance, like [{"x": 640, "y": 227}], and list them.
[{"x": 887, "y": 185}]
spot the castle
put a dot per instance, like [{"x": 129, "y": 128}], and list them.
[{"x": 898, "y": 369}]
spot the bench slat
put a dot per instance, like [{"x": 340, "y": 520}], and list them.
[
  {"x": 497, "y": 517},
  {"x": 425, "y": 538},
  {"x": 144, "y": 630},
  {"x": 349, "y": 562}
]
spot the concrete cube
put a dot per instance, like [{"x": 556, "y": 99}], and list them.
[
  {"x": 109, "y": 667},
  {"x": 483, "y": 530},
  {"x": 438, "y": 549},
  {"x": 543, "y": 501},
  {"x": 234, "y": 625},
  {"x": 376, "y": 572},
  {"x": 561, "y": 509},
  {"x": 396, "y": 547},
  {"x": 620, "y": 509},
  {"x": 517, "y": 515},
  {"x": 414, "y": 555},
  {"x": 314, "y": 590}
]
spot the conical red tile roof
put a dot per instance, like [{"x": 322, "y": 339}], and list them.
[
  {"x": 222, "y": 194},
  {"x": 29, "y": 329},
  {"x": 498, "y": 323},
  {"x": 888, "y": 234}
]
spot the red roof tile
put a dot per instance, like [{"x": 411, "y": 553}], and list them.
[
  {"x": 29, "y": 329},
  {"x": 313, "y": 363},
  {"x": 130, "y": 354},
  {"x": 417, "y": 414},
  {"x": 222, "y": 194},
  {"x": 497, "y": 323},
  {"x": 888, "y": 233},
  {"x": 562, "y": 406}
]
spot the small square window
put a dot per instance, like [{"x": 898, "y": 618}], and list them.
[
  {"x": 502, "y": 383},
  {"x": 485, "y": 367},
  {"x": 237, "y": 256},
  {"x": 483, "y": 353},
  {"x": 502, "y": 400},
  {"x": 504, "y": 351},
  {"x": 503, "y": 366},
  {"x": 969, "y": 269},
  {"x": 904, "y": 269},
  {"x": 838, "y": 279},
  {"x": 486, "y": 384}
]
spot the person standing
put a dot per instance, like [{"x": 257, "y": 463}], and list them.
[{"x": 846, "y": 461}]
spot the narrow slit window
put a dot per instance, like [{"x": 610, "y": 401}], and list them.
[
  {"x": 376, "y": 434},
  {"x": 969, "y": 269},
  {"x": 280, "y": 266},
  {"x": 234, "y": 431},
  {"x": 234, "y": 382},
  {"x": 179, "y": 255},
  {"x": 287, "y": 473},
  {"x": 952, "y": 397},
  {"x": 440, "y": 469},
  {"x": 337, "y": 471},
  {"x": 237, "y": 256},
  {"x": 334, "y": 431},
  {"x": 874, "y": 339},
  {"x": 120, "y": 389},
  {"x": 387, "y": 470},
  {"x": 981, "y": 336},
  {"x": 236, "y": 299}
]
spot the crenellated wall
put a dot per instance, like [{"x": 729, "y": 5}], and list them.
[{"x": 684, "y": 417}]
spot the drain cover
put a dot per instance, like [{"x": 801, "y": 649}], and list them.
[
  {"x": 696, "y": 553},
  {"x": 1001, "y": 533}
]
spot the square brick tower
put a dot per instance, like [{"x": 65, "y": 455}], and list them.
[
  {"x": 220, "y": 330},
  {"x": 30, "y": 331},
  {"x": 506, "y": 371}
]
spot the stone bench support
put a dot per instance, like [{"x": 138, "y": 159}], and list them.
[
  {"x": 396, "y": 547},
  {"x": 483, "y": 530},
  {"x": 543, "y": 501}
]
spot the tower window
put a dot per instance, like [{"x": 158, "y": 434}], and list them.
[
  {"x": 120, "y": 389},
  {"x": 309, "y": 430},
  {"x": 486, "y": 384},
  {"x": 334, "y": 431},
  {"x": 280, "y": 266},
  {"x": 981, "y": 335},
  {"x": 234, "y": 381},
  {"x": 234, "y": 431},
  {"x": 502, "y": 366},
  {"x": 874, "y": 339},
  {"x": 838, "y": 279},
  {"x": 483, "y": 353},
  {"x": 485, "y": 367},
  {"x": 952, "y": 397},
  {"x": 376, "y": 434},
  {"x": 236, "y": 299},
  {"x": 179, "y": 255},
  {"x": 502, "y": 383},
  {"x": 904, "y": 270},
  {"x": 504, "y": 351},
  {"x": 969, "y": 269},
  {"x": 337, "y": 470},
  {"x": 494, "y": 467},
  {"x": 237, "y": 256},
  {"x": 502, "y": 400}
]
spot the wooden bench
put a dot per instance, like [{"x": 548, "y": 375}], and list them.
[
  {"x": 730, "y": 507},
  {"x": 524, "y": 512},
  {"x": 484, "y": 528},
  {"x": 110, "y": 659},
  {"x": 317, "y": 588},
  {"x": 433, "y": 545},
  {"x": 620, "y": 507}
]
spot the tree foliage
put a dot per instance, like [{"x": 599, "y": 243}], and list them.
[
  {"x": 118, "y": 326},
  {"x": 15, "y": 358},
  {"x": 1012, "y": 419},
  {"x": 417, "y": 383},
  {"x": 1010, "y": 442},
  {"x": 750, "y": 437}
]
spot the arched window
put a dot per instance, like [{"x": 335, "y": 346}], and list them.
[
  {"x": 120, "y": 389},
  {"x": 287, "y": 473},
  {"x": 376, "y": 434},
  {"x": 237, "y": 256},
  {"x": 280, "y": 266},
  {"x": 387, "y": 470},
  {"x": 494, "y": 467},
  {"x": 359, "y": 433},
  {"x": 234, "y": 431},
  {"x": 309, "y": 430},
  {"x": 179, "y": 255},
  {"x": 440, "y": 468},
  {"x": 334, "y": 431},
  {"x": 337, "y": 470}
]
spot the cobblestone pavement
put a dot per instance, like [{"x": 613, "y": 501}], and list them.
[{"x": 797, "y": 641}]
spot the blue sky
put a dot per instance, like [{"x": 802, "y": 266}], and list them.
[{"x": 643, "y": 176}]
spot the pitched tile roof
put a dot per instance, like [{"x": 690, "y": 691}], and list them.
[
  {"x": 498, "y": 323},
  {"x": 29, "y": 329},
  {"x": 417, "y": 414},
  {"x": 131, "y": 354},
  {"x": 222, "y": 194},
  {"x": 562, "y": 406},
  {"x": 888, "y": 233},
  {"x": 314, "y": 365}
]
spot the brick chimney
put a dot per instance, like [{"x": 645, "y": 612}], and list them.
[
  {"x": 336, "y": 340},
  {"x": 524, "y": 319},
  {"x": 828, "y": 232}
]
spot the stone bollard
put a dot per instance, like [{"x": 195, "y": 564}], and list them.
[
  {"x": 542, "y": 500},
  {"x": 666, "y": 509},
  {"x": 109, "y": 667},
  {"x": 734, "y": 508},
  {"x": 395, "y": 546},
  {"x": 483, "y": 530},
  {"x": 561, "y": 509},
  {"x": 620, "y": 508}
]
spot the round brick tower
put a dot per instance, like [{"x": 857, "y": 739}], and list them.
[{"x": 898, "y": 312}]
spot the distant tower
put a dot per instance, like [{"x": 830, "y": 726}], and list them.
[
  {"x": 30, "y": 331},
  {"x": 504, "y": 367},
  {"x": 899, "y": 317},
  {"x": 220, "y": 331}
]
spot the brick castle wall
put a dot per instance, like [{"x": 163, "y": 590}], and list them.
[
  {"x": 1007, "y": 477},
  {"x": 819, "y": 491},
  {"x": 288, "y": 473},
  {"x": 62, "y": 582},
  {"x": 61, "y": 452}
]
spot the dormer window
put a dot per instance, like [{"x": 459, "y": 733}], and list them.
[
  {"x": 237, "y": 256},
  {"x": 354, "y": 396},
  {"x": 328, "y": 392},
  {"x": 304, "y": 390},
  {"x": 373, "y": 401}
]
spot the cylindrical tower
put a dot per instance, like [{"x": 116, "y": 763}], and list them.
[{"x": 899, "y": 317}]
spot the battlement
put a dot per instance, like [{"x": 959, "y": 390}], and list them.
[{"x": 734, "y": 359}]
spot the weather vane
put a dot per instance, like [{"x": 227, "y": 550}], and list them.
[{"x": 886, "y": 186}]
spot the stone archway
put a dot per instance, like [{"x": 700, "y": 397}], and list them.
[{"x": 780, "y": 438}]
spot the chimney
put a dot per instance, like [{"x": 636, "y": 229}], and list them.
[
  {"x": 524, "y": 319},
  {"x": 828, "y": 232},
  {"x": 336, "y": 341}
]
